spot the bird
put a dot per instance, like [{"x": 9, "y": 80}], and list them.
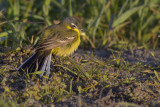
[{"x": 59, "y": 39}]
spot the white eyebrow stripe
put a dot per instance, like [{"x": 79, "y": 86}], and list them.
[{"x": 72, "y": 24}]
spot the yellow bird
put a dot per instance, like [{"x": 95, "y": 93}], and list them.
[{"x": 61, "y": 39}]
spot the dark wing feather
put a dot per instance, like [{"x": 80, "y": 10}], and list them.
[{"x": 57, "y": 39}]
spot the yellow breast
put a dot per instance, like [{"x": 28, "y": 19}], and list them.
[{"x": 69, "y": 48}]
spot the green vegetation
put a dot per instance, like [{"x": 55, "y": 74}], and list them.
[
  {"x": 114, "y": 81},
  {"x": 112, "y": 23},
  {"x": 82, "y": 78}
]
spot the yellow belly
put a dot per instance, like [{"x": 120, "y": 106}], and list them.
[{"x": 67, "y": 49}]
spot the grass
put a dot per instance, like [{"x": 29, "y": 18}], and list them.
[
  {"x": 84, "y": 78},
  {"x": 111, "y": 23}
]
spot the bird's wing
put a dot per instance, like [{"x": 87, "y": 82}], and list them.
[{"x": 57, "y": 39}]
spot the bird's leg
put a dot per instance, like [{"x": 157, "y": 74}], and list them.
[{"x": 56, "y": 61}]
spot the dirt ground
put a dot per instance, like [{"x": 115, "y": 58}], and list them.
[
  {"x": 145, "y": 57},
  {"x": 132, "y": 82},
  {"x": 113, "y": 96}
]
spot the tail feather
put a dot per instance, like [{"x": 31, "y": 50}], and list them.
[
  {"x": 46, "y": 65},
  {"x": 39, "y": 61},
  {"x": 24, "y": 63}
]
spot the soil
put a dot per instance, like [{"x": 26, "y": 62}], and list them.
[
  {"x": 133, "y": 94},
  {"x": 142, "y": 56},
  {"x": 113, "y": 96}
]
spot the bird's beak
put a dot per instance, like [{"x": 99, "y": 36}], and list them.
[{"x": 81, "y": 29}]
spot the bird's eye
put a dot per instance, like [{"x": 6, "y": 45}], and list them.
[{"x": 73, "y": 25}]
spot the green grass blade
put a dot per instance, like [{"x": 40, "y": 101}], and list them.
[{"x": 125, "y": 16}]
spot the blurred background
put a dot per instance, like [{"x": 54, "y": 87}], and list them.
[{"x": 118, "y": 24}]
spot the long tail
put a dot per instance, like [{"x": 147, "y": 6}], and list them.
[{"x": 39, "y": 61}]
